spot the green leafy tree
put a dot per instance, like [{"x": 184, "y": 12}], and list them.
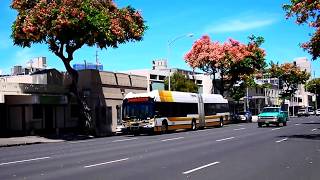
[
  {"x": 67, "y": 25},
  {"x": 180, "y": 82},
  {"x": 290, "y": 75},
  {"x": 307, "y": 12},
  {"x": 313, "y": 86}
]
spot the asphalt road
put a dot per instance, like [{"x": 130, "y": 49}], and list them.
[{"x": 236, "y": 151}]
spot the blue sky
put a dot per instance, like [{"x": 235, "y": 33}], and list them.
[{"x": 169, "y": 19}]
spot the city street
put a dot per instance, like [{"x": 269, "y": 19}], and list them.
[{"x": 236, "y": 151}]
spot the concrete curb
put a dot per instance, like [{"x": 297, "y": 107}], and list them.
[
  {"x": 20, "y": 144},
  {"x": 27, "y": 140}
]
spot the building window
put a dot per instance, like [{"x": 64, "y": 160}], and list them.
[
  {"x": 199, "y": 82},
  {"x": 162, "y": 78},
  {"x": 37, "y": 111},
  {"x": 152, "y": 76}
]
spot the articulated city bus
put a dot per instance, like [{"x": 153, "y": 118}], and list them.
[{"x": 161, "y": 111}]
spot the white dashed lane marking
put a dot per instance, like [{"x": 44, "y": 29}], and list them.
[
  {"x": 224, "y": 139},
  {"x": 171, "y": 139},
  {"x": 121, "y": 140},
  {"x": 282, "y": 140},
  {"x": 201, "y": 167},
  {"x": 239, "y": 129},
  {"x": 26, "y": 160},
  {"x": 104, "y": 163}
]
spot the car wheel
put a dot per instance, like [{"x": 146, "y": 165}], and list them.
[
  {"x": 284, "y": 123},
  {"x": 259, "y": 124}
]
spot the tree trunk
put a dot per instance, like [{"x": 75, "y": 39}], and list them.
[
  {"x": 86, "y": 123},
  {"x": 213, "y": 83},
  {"x": 221, "y": 83}
]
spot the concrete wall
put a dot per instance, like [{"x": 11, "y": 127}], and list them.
[{"x": 106, "y": 90}]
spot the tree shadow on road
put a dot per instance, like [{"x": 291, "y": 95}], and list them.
[
  {"x": 311, "y": 123},
  {"x": 304, "y": 136}
]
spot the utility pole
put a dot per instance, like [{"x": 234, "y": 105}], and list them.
[
  {"x": 97, "y": 60},
  {"x": 315, "y": 91}
]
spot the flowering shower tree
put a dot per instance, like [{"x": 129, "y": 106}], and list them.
[
  {"x": 67, "y": 25},
  {"x": 231, "y": 60},
  {"x": 291, "y": 77},
  {"x": 307, "y": 11}
]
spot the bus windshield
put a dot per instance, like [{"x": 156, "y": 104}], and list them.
[{"x": 139, "y": 110}]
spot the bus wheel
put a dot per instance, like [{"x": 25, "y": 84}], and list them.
[
  {"x": 164, "y": 127},
  {"x": 221, "y": 122},
  {"x": 193, "y": 125}
]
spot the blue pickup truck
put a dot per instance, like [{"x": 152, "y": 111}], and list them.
[{"x": 272, "y": 115}]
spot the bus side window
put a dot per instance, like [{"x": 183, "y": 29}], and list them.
[{"x": 210, "y": 109}]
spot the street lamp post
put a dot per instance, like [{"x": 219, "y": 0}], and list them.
[{"x": 170, "y": 43}]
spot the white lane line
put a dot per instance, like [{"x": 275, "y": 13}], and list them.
[
  {"x": 224, "y": 139},
  {"x": 297, "y": 124},
  {"x": 239, "y": 129},
  {"x": 164, "y": 140},
  {"x": 26, "y": 160},
  {"x": 313, "y": 129},
  {"x": 201, "y": 167},
  {"x": 104, "y": 163},
  {"x": 282, "y": 140},
  {"x": 275, "y": 129},
  {"x": 240, "y": 125},
  {"x": 121, "y": 140},
  {"x": 82, "y": 141}
]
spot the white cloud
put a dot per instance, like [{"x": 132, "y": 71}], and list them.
[{"x": 237, "y": 25}]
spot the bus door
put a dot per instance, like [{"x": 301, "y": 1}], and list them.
[{"x": 202, "y": 122}]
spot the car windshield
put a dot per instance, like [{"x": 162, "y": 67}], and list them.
[
  {"x": 242, "y": 113},
  {"x": 270, "y": 110}
]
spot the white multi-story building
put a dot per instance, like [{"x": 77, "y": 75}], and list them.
[
  {"x": 160, "y": 70},
  {"x": 302, "y": 97},
  {"x": 35, "y": 64}
]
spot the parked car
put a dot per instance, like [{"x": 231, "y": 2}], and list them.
[
  {"x": 246, "y": 116},
  {"x": 311, "y": 112},
  {"x": 241, "y": 117},
  {"x": 272, "y": 115},
  {"x": 302, "y": 112},
  {"x": 318, "y": 112},
  {"x": 235, "y": 118}
]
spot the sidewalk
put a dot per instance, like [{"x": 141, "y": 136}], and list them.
[
  {"x": 17, "y": 141},
  {"x": 26, "y": 140}
]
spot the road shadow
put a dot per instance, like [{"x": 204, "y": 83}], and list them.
[
  {"x": 311, "y": 123},
  {"x": 68, "y": 137},
  {"x": 303, "y": 136}
]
